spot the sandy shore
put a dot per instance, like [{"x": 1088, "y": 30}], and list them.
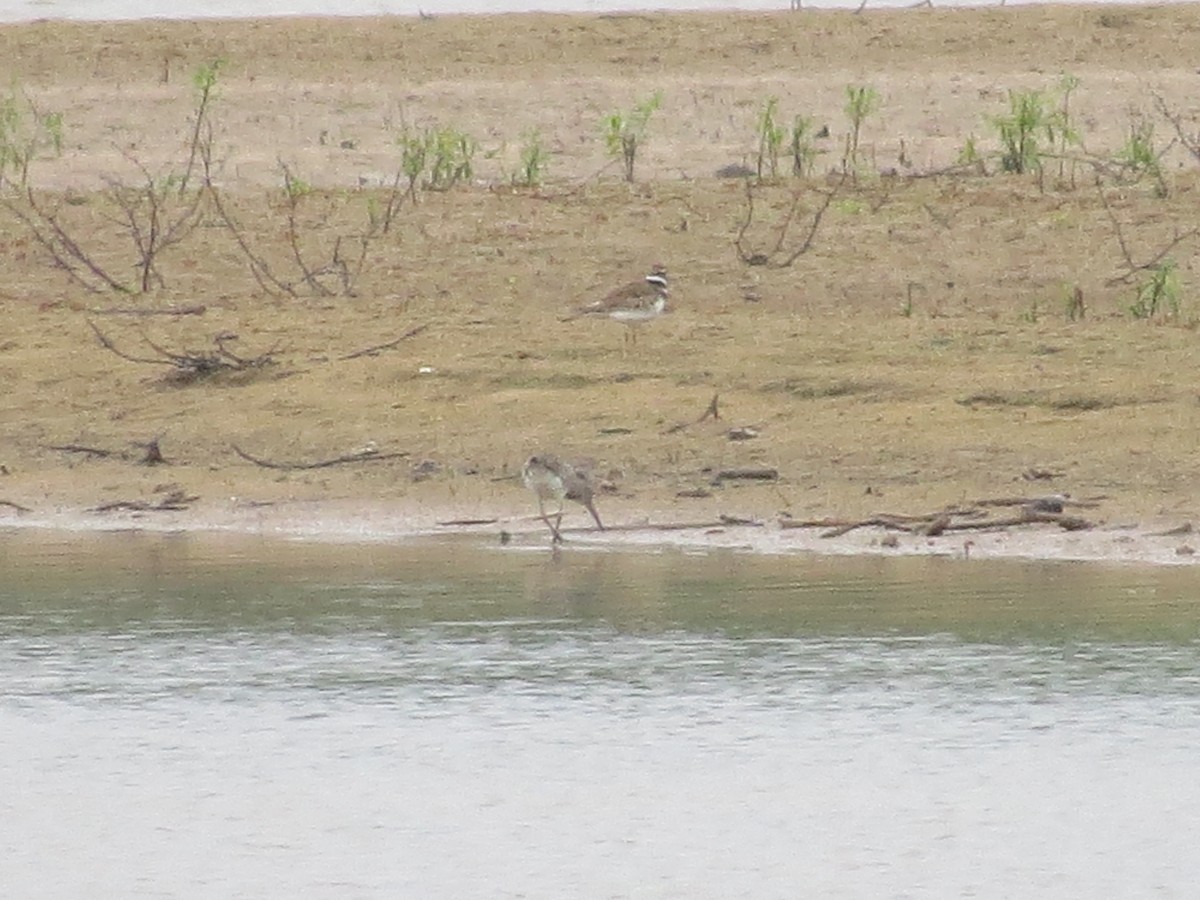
[
  {"x": 364, "y": 522},
  {"x": 923, "y": 353}
]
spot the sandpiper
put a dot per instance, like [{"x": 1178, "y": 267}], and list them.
[
  {"x": 632, "y": 304},
  {"x": 551, "y": 478}
]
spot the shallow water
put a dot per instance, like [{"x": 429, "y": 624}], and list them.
[{"x": 195, "y": 717}]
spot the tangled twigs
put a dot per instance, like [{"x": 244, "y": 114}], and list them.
[
  {"x": 369, "y": 454},
  {"x": 777, "y": 256},
  {"x": 1032, "y": 510},
  {"x": 1132, "y": 268},
  {"x": 190, "y": 366}
]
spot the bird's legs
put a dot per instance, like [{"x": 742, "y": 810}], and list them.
[
  {"x": 592, "y": 509},
  {"x": 555, "y": 536}
]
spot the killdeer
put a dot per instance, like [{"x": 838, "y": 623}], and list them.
[
  {"x": 551, "y": 478},
  {"x": 632, "y": 304}
]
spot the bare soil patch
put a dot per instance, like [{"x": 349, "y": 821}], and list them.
[{"x": 920, "y": 354}]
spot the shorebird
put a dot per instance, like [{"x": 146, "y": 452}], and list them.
[
  {"x": 632, "y": 304},
  {"x": 551, "y": 478}
]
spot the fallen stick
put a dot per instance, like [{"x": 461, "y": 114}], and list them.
[
  {"x": 748, "y": 473},
  {"x": 935, "y": 525},
  {"x": 176, "y": 500},
  {"x": 79, "y": 448},
  {"x": 17, "y": 506},
  {"x": 378, "y": 348},
  {"x": 196, "y": 310},
  {"x": 711, "y": 411},
  {"x": 360, "y": 456},
  {"x": 724, "y": 522},
  {"x": 456, "y": 523}
]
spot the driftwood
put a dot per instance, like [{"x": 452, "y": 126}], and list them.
[
  {"x": 1033, "y": 510},
  {"x": 17, "y": 506},
  {"x": 747, "y": 473},
  {"x": 1177, "y": 531},
  {"x": 79, "y": 448},
  {"x": 194, "y": 310},
  {"x": 379, "y": 348},
  {"x": 723, "y": 521},
  {"x": 369, "y": 455},
  {"x": 151, "y": 455},
  {"x": 175, "y": 500}
]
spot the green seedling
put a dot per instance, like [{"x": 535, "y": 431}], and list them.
[
  {"x": 1139, "y": 155},
  {"x": 862, "y": 101},
  {"x": 414, "y": 150},
  {"x": 25, "y": 131},
  {"x": 625, "y": 132},
  {"x": 770, "y": 140},
  {"x": 450, "y": 153},
  {"x": 204, "y": 81},
  {"x": 1158, "y": 295},
  {"x": 534, "y": 159},
  {"x": 1019, "y": 131},
  {"x": 804, "y": 154}
]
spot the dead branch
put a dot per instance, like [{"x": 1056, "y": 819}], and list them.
[
  {"x": 52, "y": 236},
  {"x": 196, "y": 310},
  {"x": 190, "y": 366},
  {"x": 368, "y": 455},
  {"x": 747, "y": 473},
  {"x": 17, "y": 506},
  {"x": 466, "y": 523},
  {"x": 175, "y": 500},
  {"x": 378, "y": 348},
  {"x": 1131, "y": 267},
  {"x": 151, "y": 219},
  {"x": 777, "y": 256},
  {"x": 1190, "y": 142},
  {"x": 293, "y": 191},
  {"x": 258, "y": 266},
  {"x": 1061, "y": 500},
  {"x": 79, "y": 448},
  {"x": 721, "y": 522},
  {"x": 711, "y": 411},
  {"x": 934, "y": 524}
]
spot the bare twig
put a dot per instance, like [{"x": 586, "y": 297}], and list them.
[
  {"x": 378, "y": 348},
  {"x": 195, "y": 310},
  {"x": 79, "y": 448},
  {"x": 1133, "y": 268},
  {"x": 175, "y": 500},
  {"x": 777, "y": 256},
  {"x": 747, "y": 473},
  {"x": 711, "y": 411},
  {"x": 1190, "y": 142},
  {"x": 190, "y": 366},
  {"x": 46, "y": 228},
  {"x": 151, "y": 219},
  {"x": 17, "y": 506},
  {"x": 369, "y": 455}
]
